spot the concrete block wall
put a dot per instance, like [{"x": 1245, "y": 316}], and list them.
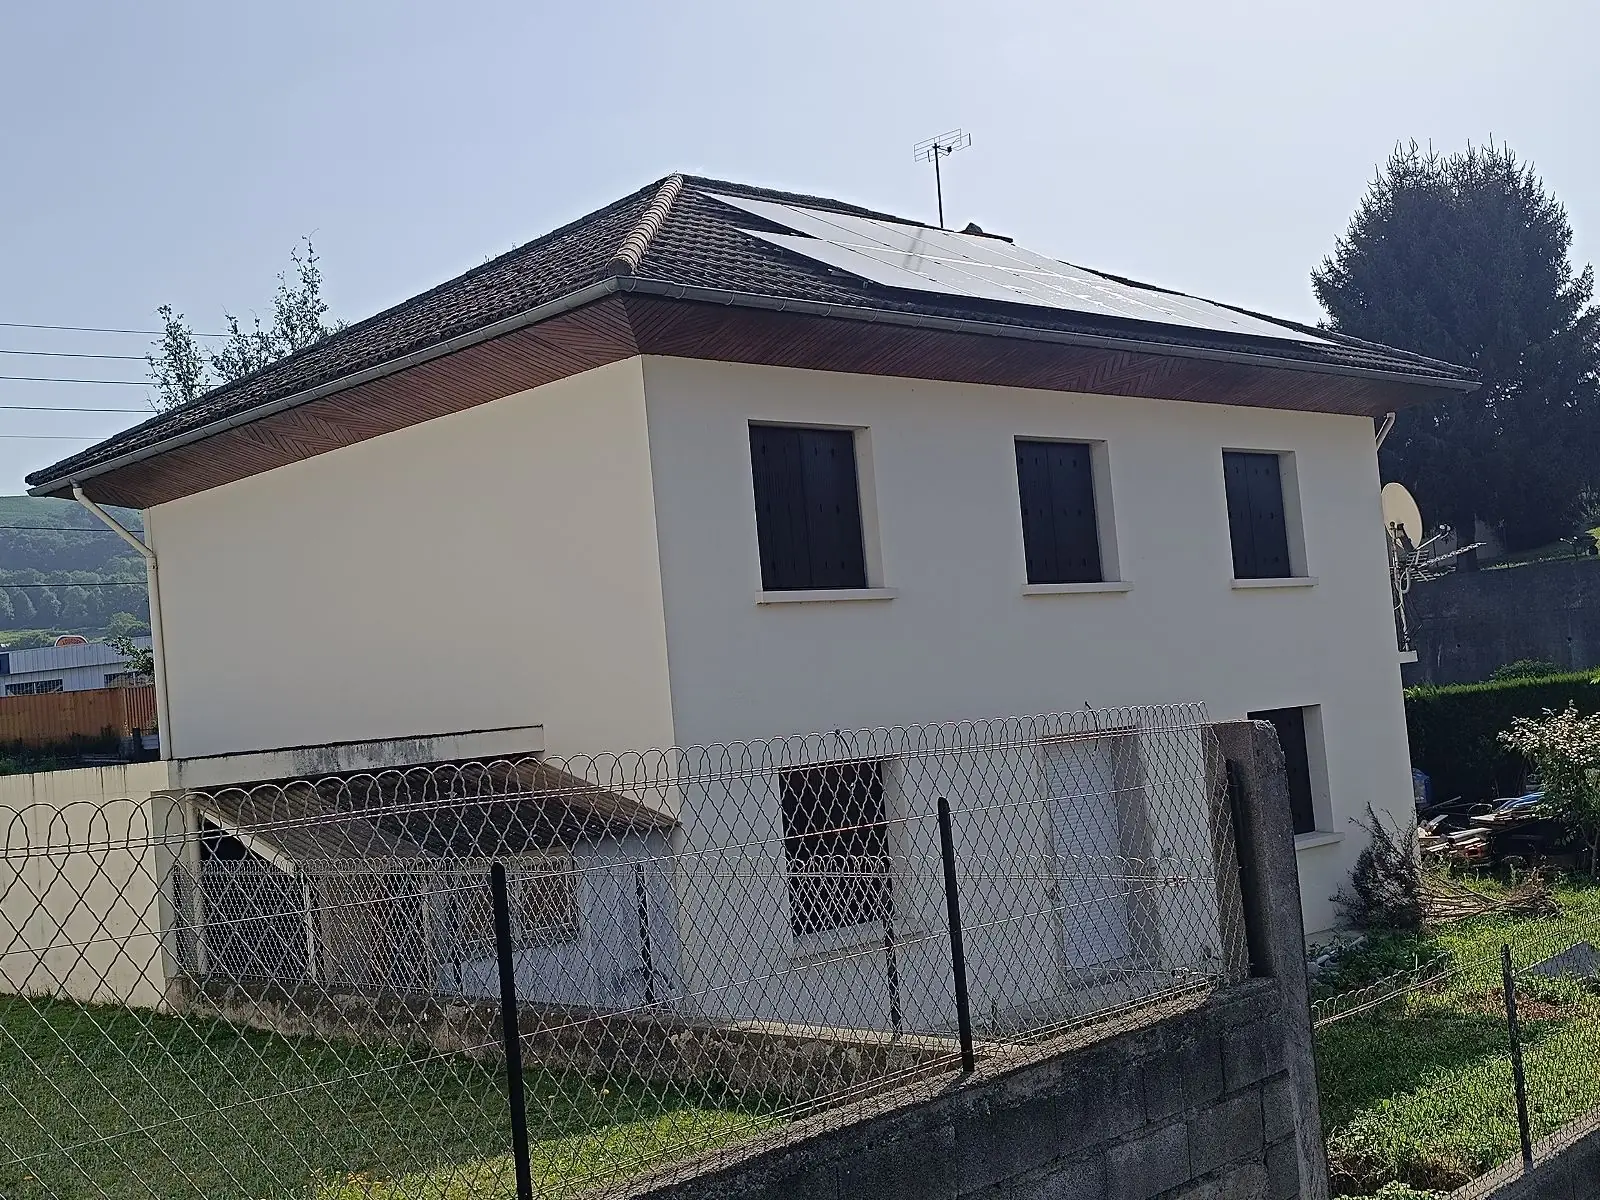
[{"x": 1189, "y": 1102}]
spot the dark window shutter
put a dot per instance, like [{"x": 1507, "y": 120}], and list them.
[
  {"x": 1256, "y": 522},
  {"x": 808, "y": 508},
  {"x": 1060, "y": 530},
  {"x": 1291, "y": 726}
]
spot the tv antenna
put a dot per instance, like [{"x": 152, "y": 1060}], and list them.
[{"x": 936, "y": 148}]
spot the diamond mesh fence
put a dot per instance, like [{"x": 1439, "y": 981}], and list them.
[
  {"x": 298, "y": 988},
  {"x": 1441, "y": 1054}
]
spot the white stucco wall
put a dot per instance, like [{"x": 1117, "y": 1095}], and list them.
[
  {"x": 489, "y": 569},
  {"x": 960, "y": 638}
]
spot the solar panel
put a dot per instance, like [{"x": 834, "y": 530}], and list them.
[{"x": 944, "y": 263}]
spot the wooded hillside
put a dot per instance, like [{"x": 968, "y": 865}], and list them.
[{"x": 62, "y": 571}]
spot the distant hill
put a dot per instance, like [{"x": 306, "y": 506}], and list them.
[{"x": 56, "y": 561}]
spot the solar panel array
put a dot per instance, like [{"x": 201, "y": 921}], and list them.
[{"x": 984, "y": 268}]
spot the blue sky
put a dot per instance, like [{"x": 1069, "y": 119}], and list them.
[{"x": 174, "y": 152}]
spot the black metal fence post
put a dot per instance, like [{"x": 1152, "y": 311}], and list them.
[
  {"x": 641, "y": 896},
  {"x": 958, "y": 954},
  {"x": 1517, "y": 1076},
  {"x": 508, "y": 1024}
]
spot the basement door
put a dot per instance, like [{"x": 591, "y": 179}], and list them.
[{"x": 1080, "y": 785}]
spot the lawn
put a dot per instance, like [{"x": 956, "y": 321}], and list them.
[
  {"x": 1419, "y": 1091},
  {"x": 103, "y": 1102}
]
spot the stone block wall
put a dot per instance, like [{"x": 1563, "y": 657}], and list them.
[{"x": 1186, "y": 1102}]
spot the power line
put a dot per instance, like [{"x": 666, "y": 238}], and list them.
[
  {"x": 70, "y": 408},
  {"x": 71, "y": 354},
  {"x": 61, "y": 529},
  {"x": 97, "y": 329},
  {"x": 51, "y": 437},
  {"x": 54, "y": 379},
  {"x": 73, "y": 583}
]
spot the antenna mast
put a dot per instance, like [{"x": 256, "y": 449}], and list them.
[{"x": 936, "y": 148}]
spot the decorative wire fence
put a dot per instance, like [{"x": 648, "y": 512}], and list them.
[
  {"x": 1471, "y": 1063},
  {"x": 545, "y": 977}
]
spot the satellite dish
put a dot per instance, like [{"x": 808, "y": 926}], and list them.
[{"x": 1399, "y": 509}]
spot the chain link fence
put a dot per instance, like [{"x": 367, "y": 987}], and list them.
[
  {"x": 544, "y": 977},
  {"x": 1474, "y": 1059}
]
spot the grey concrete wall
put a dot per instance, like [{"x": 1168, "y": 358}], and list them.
[
  {"x": 1190, "y": 1103},
  {"x": 1465, "y": 625}
]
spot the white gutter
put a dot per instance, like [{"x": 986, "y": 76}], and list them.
[
  {"x": 1388, "y": 426},
  {"x": 157, "y": 644}
]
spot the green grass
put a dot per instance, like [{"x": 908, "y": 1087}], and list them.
[
  {"x": 229, "y": 1114},
  {"x": 1419, "y": 1092}
]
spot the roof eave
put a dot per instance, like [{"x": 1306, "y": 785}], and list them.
[{"x": 693, "y": 293}]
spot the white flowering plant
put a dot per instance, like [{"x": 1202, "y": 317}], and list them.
[{"x": 1564, "y": 748}]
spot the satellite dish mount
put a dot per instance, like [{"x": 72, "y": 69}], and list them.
[
  {"x": 1413, "y": 557},
  {"x": 936, "y": 148}
]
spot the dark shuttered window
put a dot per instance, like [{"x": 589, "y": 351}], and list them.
[
  {"x": 808, "y": 508},
  {"x": 1060, "y": 533},
  {"x": 1256, "y": 520},
  {"x": 1291, "y": 726}
]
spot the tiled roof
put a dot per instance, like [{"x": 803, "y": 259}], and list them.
[{"x": 693, "y": 240}]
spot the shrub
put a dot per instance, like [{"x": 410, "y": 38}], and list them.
[
  {"x": 1524, "y": 668},
  {"x": 1455, "y": 731},
  {"x": 1386, "y": 884},
  {"x": 1565, "y": 748}
]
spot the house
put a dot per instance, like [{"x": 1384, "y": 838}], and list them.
[
  {"x": 76, "y": 668},
  {"x": 716, "y": 463}
]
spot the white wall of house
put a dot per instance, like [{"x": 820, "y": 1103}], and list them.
[
  {"x": 960, "y": 638},
  {"x": 489, "y": 569}
]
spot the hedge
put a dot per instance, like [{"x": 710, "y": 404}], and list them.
[{"x": 1455, "y": 731}]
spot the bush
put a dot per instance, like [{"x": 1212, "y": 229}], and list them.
[
  {"x": 1524, "y": 668},
  {"x": 1565, "y": 749},
  {"x": 1455, "y": 731},
  {"x": 1386, "y": 885}
]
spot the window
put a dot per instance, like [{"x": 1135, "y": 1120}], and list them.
[
  {"x": 127, "y": 679},
  {"x": 38, "y": 687},
  {"x": 1060, "y": 529},
  {"x": 835, "y": 846},
  {"x": 808, "y": 508},
  {"x": 1257, "y": 519},
  {"x": 1291, "y": 726}
]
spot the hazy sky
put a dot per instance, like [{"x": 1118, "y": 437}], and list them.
[{"x": 173, "y": 153}]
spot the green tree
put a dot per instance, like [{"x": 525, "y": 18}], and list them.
[
  {"x": 126, "y": 625},
  {"x": 181, "y": 371},
  {"x": 1464, "y": 257}
]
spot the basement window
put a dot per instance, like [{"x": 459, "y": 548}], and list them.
[{"x": 835, "y": 847}]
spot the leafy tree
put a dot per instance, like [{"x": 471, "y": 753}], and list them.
[
  {"x": 1464, "y": 257},
  {"x": 140, "y": 659},
  {"x": 1564, "y": 748},
  {"x": 126, "y": 625},
  {"x": 181, "y": 371}
]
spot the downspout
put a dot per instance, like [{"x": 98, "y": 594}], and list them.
[
  {"x": 1384, "y": 430},
  {"x": 157, "y": 643}
]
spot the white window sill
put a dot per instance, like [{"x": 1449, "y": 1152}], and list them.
[
  {"x": 1318, "y": 837},
  {"x": 1071, "y": 589},
  {"x": 825, "y": 595},
  {"x": 1408, "y": 656},
  {"x": 1298, "y": 581}
]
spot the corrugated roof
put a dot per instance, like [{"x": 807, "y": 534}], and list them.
[
  {"x": 676, "y": 233},
  {"x": 442, "y": 810}
]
